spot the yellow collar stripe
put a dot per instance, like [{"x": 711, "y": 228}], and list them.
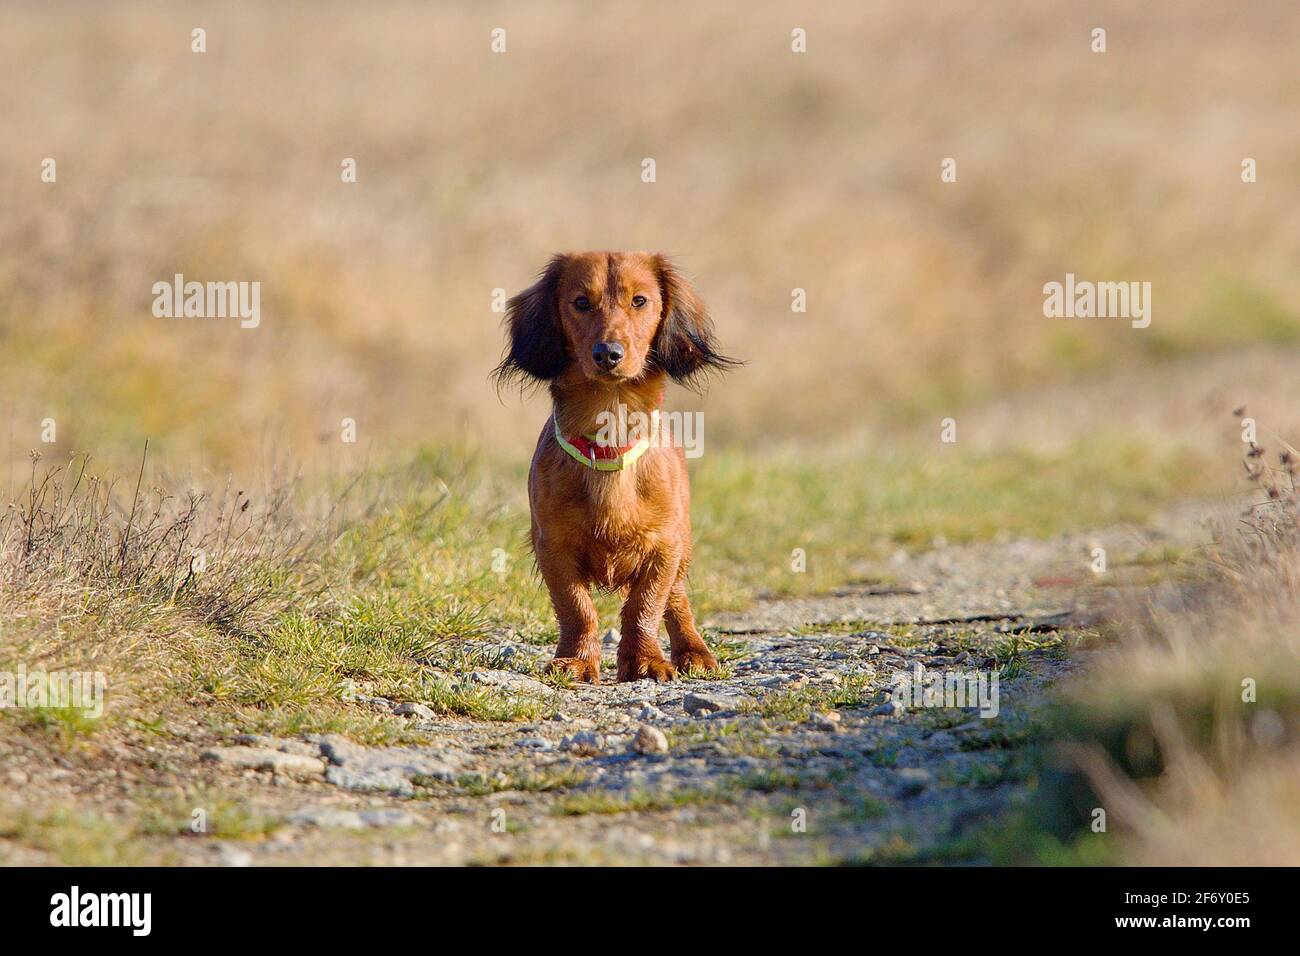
[{"x": 628, "y": 457}]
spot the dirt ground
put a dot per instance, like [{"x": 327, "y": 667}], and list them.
[{"x": 801, "y": 755}]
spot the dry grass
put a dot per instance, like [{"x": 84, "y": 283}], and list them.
[
  {"x": 74, "y": 538},
  {"x": 1188, "y": 730},
  {"x": 775, "y": 171}
]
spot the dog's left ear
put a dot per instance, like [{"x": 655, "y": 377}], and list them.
[{"x": 684, "y": 346}]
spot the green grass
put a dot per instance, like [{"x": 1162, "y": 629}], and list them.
[
  {"x": 65, "y": 727},
  {"x": 220, "y": 817},
  {"x": 542, "y": 781},
  {"x": 863, "y": 808},
  {"x": 751, "y": 512},
  {"x": 1013, "y": 767},
  {"x": 427, "y": 580},
  {"x": 75, "y": 836},
  {"x": 801, "y": 704},
  {"x": 637, "y": 801},
  {"x": 1236, "y": 313},
  {"x": 419, "y": 583}
]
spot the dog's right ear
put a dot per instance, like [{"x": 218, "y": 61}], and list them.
[{"x": 536, "y": 349}]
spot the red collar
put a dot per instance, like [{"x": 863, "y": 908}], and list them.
[{"x": 601, "y": 457}]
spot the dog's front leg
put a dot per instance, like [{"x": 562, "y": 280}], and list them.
[
  {"x": 578, "y": 653},
  {"x": 690, "y": 653},
  {"x": 639, "y": 653}
]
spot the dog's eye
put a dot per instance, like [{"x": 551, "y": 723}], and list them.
[
  {"x": 582, "y": 303},
  {"x": 638, "y": 301}
]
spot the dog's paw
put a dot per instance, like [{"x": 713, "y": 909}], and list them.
[
  {"x": 639, "y": 668},
  {"x": 579, "y": 669},
  {"x": 695, "y": 662}
]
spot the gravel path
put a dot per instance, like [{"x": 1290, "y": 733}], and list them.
[{"x": 803, "y": 754}]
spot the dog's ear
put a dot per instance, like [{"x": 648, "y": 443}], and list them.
[
  {"x": 536, "y": 348},
  {"x": 684, "y": 346}
]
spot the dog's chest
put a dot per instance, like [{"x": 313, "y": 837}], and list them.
[{"x": 622, "y": 529}]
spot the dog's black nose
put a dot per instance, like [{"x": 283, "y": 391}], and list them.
[{"x": 607, "y": 354}]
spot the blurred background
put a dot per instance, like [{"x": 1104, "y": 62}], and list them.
[{"x": 775, "y": 171}]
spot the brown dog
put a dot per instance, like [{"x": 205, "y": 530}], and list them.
[{"x": 604, "y": 330}]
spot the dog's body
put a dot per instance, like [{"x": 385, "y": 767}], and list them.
[{"x": 607, "y": 331}]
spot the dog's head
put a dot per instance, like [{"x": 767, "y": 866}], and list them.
[{"x": 613, "y": 317}]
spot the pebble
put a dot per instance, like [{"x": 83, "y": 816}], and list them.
[
  {"x": 279, "y": 743},
  {"x": 261, "y": 758},
  {"x": 228, "y": 855},
  {"x": 585, "y": 743},
  {"x": 829, "y": 721},
  {"x": 890, "y": 708},
  {"x": 650, "y": 712},
  {"x": 699, "y": 705},
  {"x": 509, "y": 680},
  {"x": 411, "y": 709},
  {"x": 334, "y": 818},
  {"x": 650, "y": 740},
  {"x": 386, "y": 769}
]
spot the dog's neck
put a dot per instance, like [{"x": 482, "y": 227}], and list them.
[{"x": 581, "y": 407}]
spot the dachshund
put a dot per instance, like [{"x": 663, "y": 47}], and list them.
[{"x": 605, "y": 331}]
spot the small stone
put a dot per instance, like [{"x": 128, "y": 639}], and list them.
[
  {"x": 386, "y": 769},
  {"x": 327, "y": 818},
  {"x": 650, "y": 740},
  {"x": 285, "y": 745},
  {"x": 873, "y": 650},
  {"x": 371, "y": 780},
  {"x": 584, "y": 743},
  {"x": 228, "y": 855},
  {"x": 16, "y": 778},
  {"x": 890, "y": 708},
  {"x": 412, "y": 709},
  {"x": 535, "y": 743},
  {"x": 829, "y": 721},
  {"x": 1268, "y": 729},
  {"x": 510, "y": 681},
  {"x": 610, "y": 637},
  {"x": 388, "y": 817},
  {"x": 300, "y": 747},
  {"x": 700, "y": 705},
  {"x": 650, "y": 712},
  {"x": 259, "y": 758},
  {"x": 912, "y": 780},
  {"x": 336, "y": 819}
]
